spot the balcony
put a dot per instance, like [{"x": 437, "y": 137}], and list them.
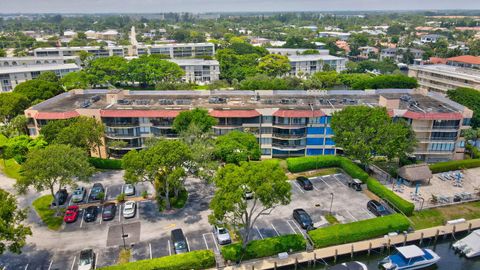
[
  {"x": 436, "y": 129},
  {"x": 431, "y": 152},
  {"x": 288, "y": 147},
  {"x": 438, "y": 140},
  {"x": 287, "y": 136},
  {"x": 122, "y": 124}
]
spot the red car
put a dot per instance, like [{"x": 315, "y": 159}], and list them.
[{"x": 71, "y": 214}]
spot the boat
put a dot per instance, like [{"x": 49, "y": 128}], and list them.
[
  {"x": 470, "y": 245},
  {"x": 410, "y": 257},
  {"x": 349, "y": 266}
]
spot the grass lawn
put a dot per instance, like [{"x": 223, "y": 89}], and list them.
[
  {"x": 331, "y": 219},
  {"x": 42, "y": 207},
  {"x": 439, "y": 216},
  {"x": 319, "y": 172},
  {"x": 11, "y": 168}
]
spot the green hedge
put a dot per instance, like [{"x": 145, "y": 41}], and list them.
[
  {"x": 386, "y": 194},
  {"x": 264, "y": 248},
  {"x": 454, "y": 165},
  {"x": 301, "y": 164},
  {"x": 108, "y": 164},
  {"x": 200, "y": 259},
  {"x": 357, "y": 231}
]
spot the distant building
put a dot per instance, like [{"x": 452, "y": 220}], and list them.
[
  {"x": 109, "y": 34},
  {"x": 339, "y": 35},
  {"x": 367, "y": 51},
  {"x": 290, "y": 51},
  {"x": 396, "y": 54},
  {"x": 69, "y": 34},
  {"x": 198, "y": 70},
  {"x": 11, "y": 76},
  {"x": 441, "y": 78},
  {"x": 467, "y": 61},
  {"x": 32, "y": 60},
  {"x": 430, "y": 38},
  {"x": 303, "y": 65}
]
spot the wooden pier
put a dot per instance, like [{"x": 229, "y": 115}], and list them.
[{"x": 312, "y": 258}]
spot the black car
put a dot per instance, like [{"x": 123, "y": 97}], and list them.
[
  {"x": 305, "y": 183},
  {"x": 87, "y": 259},
  {"x": 61, "y": 196},
  {"x": 109, "y": 211},
  {"x": 303, "y": 218},
  {"x": 377, "y": 208},
  {"x": 90, "y": 214},
  {"x": 96, "y": 191},
  {"x": 179, "y": 241}
]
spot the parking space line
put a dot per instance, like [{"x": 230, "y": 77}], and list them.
[
  {"x": 50, "y": 266},
  {"x": 188, "y": 244},
  {"x": 150, "y": 245},
  {"x": 73, "y": 263},
  {"x": 275, "y": 229},
  {"x": 138, "y": 210},
  {"x": 101, "y": 216},
  {"x": 321, "y": 179},
  {"x": 295, "y": 183},
  {"x": 351, "y": 215},
  {"x": 215, "y": 241},
  {"x": 26, "y": 267},
  {"x": 83, "y": 216},
  {"x": 290, "y": 225},
  {"x": 368, "y": 213},
  {"x": 96, "y": 260},
  {"x": 335, "y": 176},
  {"x": 300, "y": 229},
  {"x": 169, "y": 248},
  {"x": 120, "y": 213},
  {"x": 205, "y": 240},
  {"x": 106, "y": 193},
  {"x": 88, "y": 195},
  {"x": 259, "y": 233}
]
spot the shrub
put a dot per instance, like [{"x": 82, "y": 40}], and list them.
[
  {"x": 200, "y": 259},
  {"x": 265, "y": 248},
  {"x": 454, "y": 165},
  {"x": 107, "y": 164},
  {"x": 121, "y": 197},
  {"x": 386, "y": 194},
  {"x": 357, "y": 231}
]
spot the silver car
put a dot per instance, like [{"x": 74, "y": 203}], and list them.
[
  {"x": 129, "y": 189},
  {"x": 223, "y": 236},
  {"x": 79, "y": 194},
  {"x": 129, "y": 209}
]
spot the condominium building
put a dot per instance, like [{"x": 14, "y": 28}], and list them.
[
  {"x": 199, "y": 70},
  {"x": 290, "y": 51},
  {"x": 396, "y": 54},
  {"x": 172, "y": 50},
  {"x": 32, "y": 60},
  {"x": 303, "y": 65},
  {"x": 11, "y": 76},
  {"x": 441, "y": 78},
  {"x": 286, "y": 123}
]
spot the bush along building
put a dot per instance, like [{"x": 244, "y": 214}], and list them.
[{"x": 286, "y": 123}]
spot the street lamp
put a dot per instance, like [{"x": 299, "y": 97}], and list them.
[{"x": 331, "y": 203}]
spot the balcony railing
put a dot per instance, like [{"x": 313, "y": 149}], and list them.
[
  {"x": 289, "y": 136},
  {"x": 288, "y": 147}
]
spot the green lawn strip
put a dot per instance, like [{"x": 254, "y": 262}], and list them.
[
  {"x": 439, "y": 216},
  {"x": 47, "y": 214},
  {"x": 331, "y": 219},
  {"x": 11, "y": 168}
]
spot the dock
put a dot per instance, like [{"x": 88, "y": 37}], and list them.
[{"x": 314, "y": 257}]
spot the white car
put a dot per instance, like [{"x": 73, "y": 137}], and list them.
[
  {"x": 129, "y": 189},
  {"x": 223, "y": 237},
  {"x": 87, "y": 260},
  {"x": 78, "y": 194},
  {"x": 129, "y": 209}
]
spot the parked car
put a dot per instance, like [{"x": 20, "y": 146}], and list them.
[
  {"x": 222, "y": 234},
  {"x": 303, "y": 218},
  {"x": 96, "y": 191},
  {"x": 79, "y": 194},
  {"x": 305, "y": 183},
  {"x": 60, "y": 196},
  {"x": 87, "y": 260},
  {"x": 356, "y": 184},
  {"x": 90, "y": 214},
  {"x": 109, "y": 210},
  {"x": 179, "y": 241},
  {"x": 129, "y": 209},
  {"x": 377, "y": 208},
  {"x": 71, "y": 214},
  {"x": 247, "y": 193},
  {"x": 129, "y": 189}
]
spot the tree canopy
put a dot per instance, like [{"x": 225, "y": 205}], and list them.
[
  {"x": 19, "y": 146},
  {"x": 237, "y": 146},
  {"x": 468, "y": 97},
  {"x": 150, "y": 70},
  {"x": 363, "y": 133},
  {"x": 38, "y": 90},
  {"x": 274, "y": 65},
  {"x": 198, "y": 117},
  {"x": 11, "y": 105},
  {"x": 13, "y": 232}
]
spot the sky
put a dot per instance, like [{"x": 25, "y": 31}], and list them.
[{"x": 197, "y": 6}]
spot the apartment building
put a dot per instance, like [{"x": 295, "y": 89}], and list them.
[
  {"x": 396, "y": 54},
  {"x": 198, "y": 70},
  {"x": 11, "y": 76},
  {"x": 172, "y": 50},
  {"x": 303, "y": 65},
  {"x": 290, "y": 51},
  {"x": 32, "y": 60},
  {"x": 286, "y": 123},
  {"x": 441, "y": 78}
]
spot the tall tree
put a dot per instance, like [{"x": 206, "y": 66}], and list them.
[
  {"x": 237, "y": 146},
  {"x": 274, "y": 65},
  {"x": 19, "y": 146},
  {"x": 11, "y": 105},
  {"x": 75, "y": 80},
  {"x": 83, "y": 132},
  {"x": 13, "y": 232},
  {"x": 198, "y": 117},
  {"x": 365, "y": 132},
  {"x": 55, "y": 166},
  {"x": 107, "y": 70},
  {"x": 148, "y": 70},
  {"x": 267, "y": 182},
  {"x": 468, "y": 97},
  {"x": 38, "y": 90},
  {"x": 161, "y": 164}
]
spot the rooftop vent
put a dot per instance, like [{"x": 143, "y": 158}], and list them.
[
  {"x": 166, "y": 101},
  {"x": 288, "y": 101},
  {"x": 124, "y": 102},
  {"x": 142, "y": 101},
  {"x": 268, "y": 101},
  {"x": 183, "y": 101},
  {"x": 217, "y": 100},
  {"x": 95, "y": 98},
  {"x": 86, "y": 103}
]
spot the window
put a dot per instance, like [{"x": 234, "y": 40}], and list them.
[
  {"x": 266, "y": 141},
  {"x": 329, "y": 152},
  {"x": 329, "y": 130},
  {"x": 466, "y": 121},
  {"x": 314, "y": 152},
  {"x": 266, "y": 151},
  {"x": 267, "y": 119},
  {"x": 315, "y": 141},
  {"x": 329, "y": 141},
  {"x": 315, "y": 130}
]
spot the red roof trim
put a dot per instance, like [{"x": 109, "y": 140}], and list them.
[
  {"x": 234, "y": 113},
  {"x": 469, "y": 59},
  {"x": 299, "y": 113},
  {"x": 140, "y": 113},
  {"x": 56, "y": 115},
  {"x": 433, "y": 116}
]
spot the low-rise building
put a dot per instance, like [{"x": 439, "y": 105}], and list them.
[
  {"x": 430, "y": 38},
  {"x": 441, "y": 78},
  {"x": 303, "y": 65},
  {"x": 286, "y": 123},
  {"x": 396, "y": 54},
  {"x": 198, "y": 70},
  {"x": 32, "y": 60},
  {"x": 466, "y": 61},
  {"x": 339, "y": 35},
  {"x": 11, "y": 76},
  {"x": 291, "y": 51}
]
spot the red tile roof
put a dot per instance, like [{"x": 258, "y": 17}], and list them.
[
  {"x": 56, "y": 115},
  {"x": 139, "y": 113},
  {"x": 433, "y": 116},
  {"x": 438, "y": 60},
  {"x": 299, "y": 113},
  {"x": 234, "y": 113},
  {"x": 469, "y": 59}
]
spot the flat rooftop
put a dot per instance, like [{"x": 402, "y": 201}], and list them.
[
  {"x": 327, "y": 101},
  {"x": 313, "y": 57},
  {"x": 465, "y": 73},
  {"x": 33, "y": 68}
]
